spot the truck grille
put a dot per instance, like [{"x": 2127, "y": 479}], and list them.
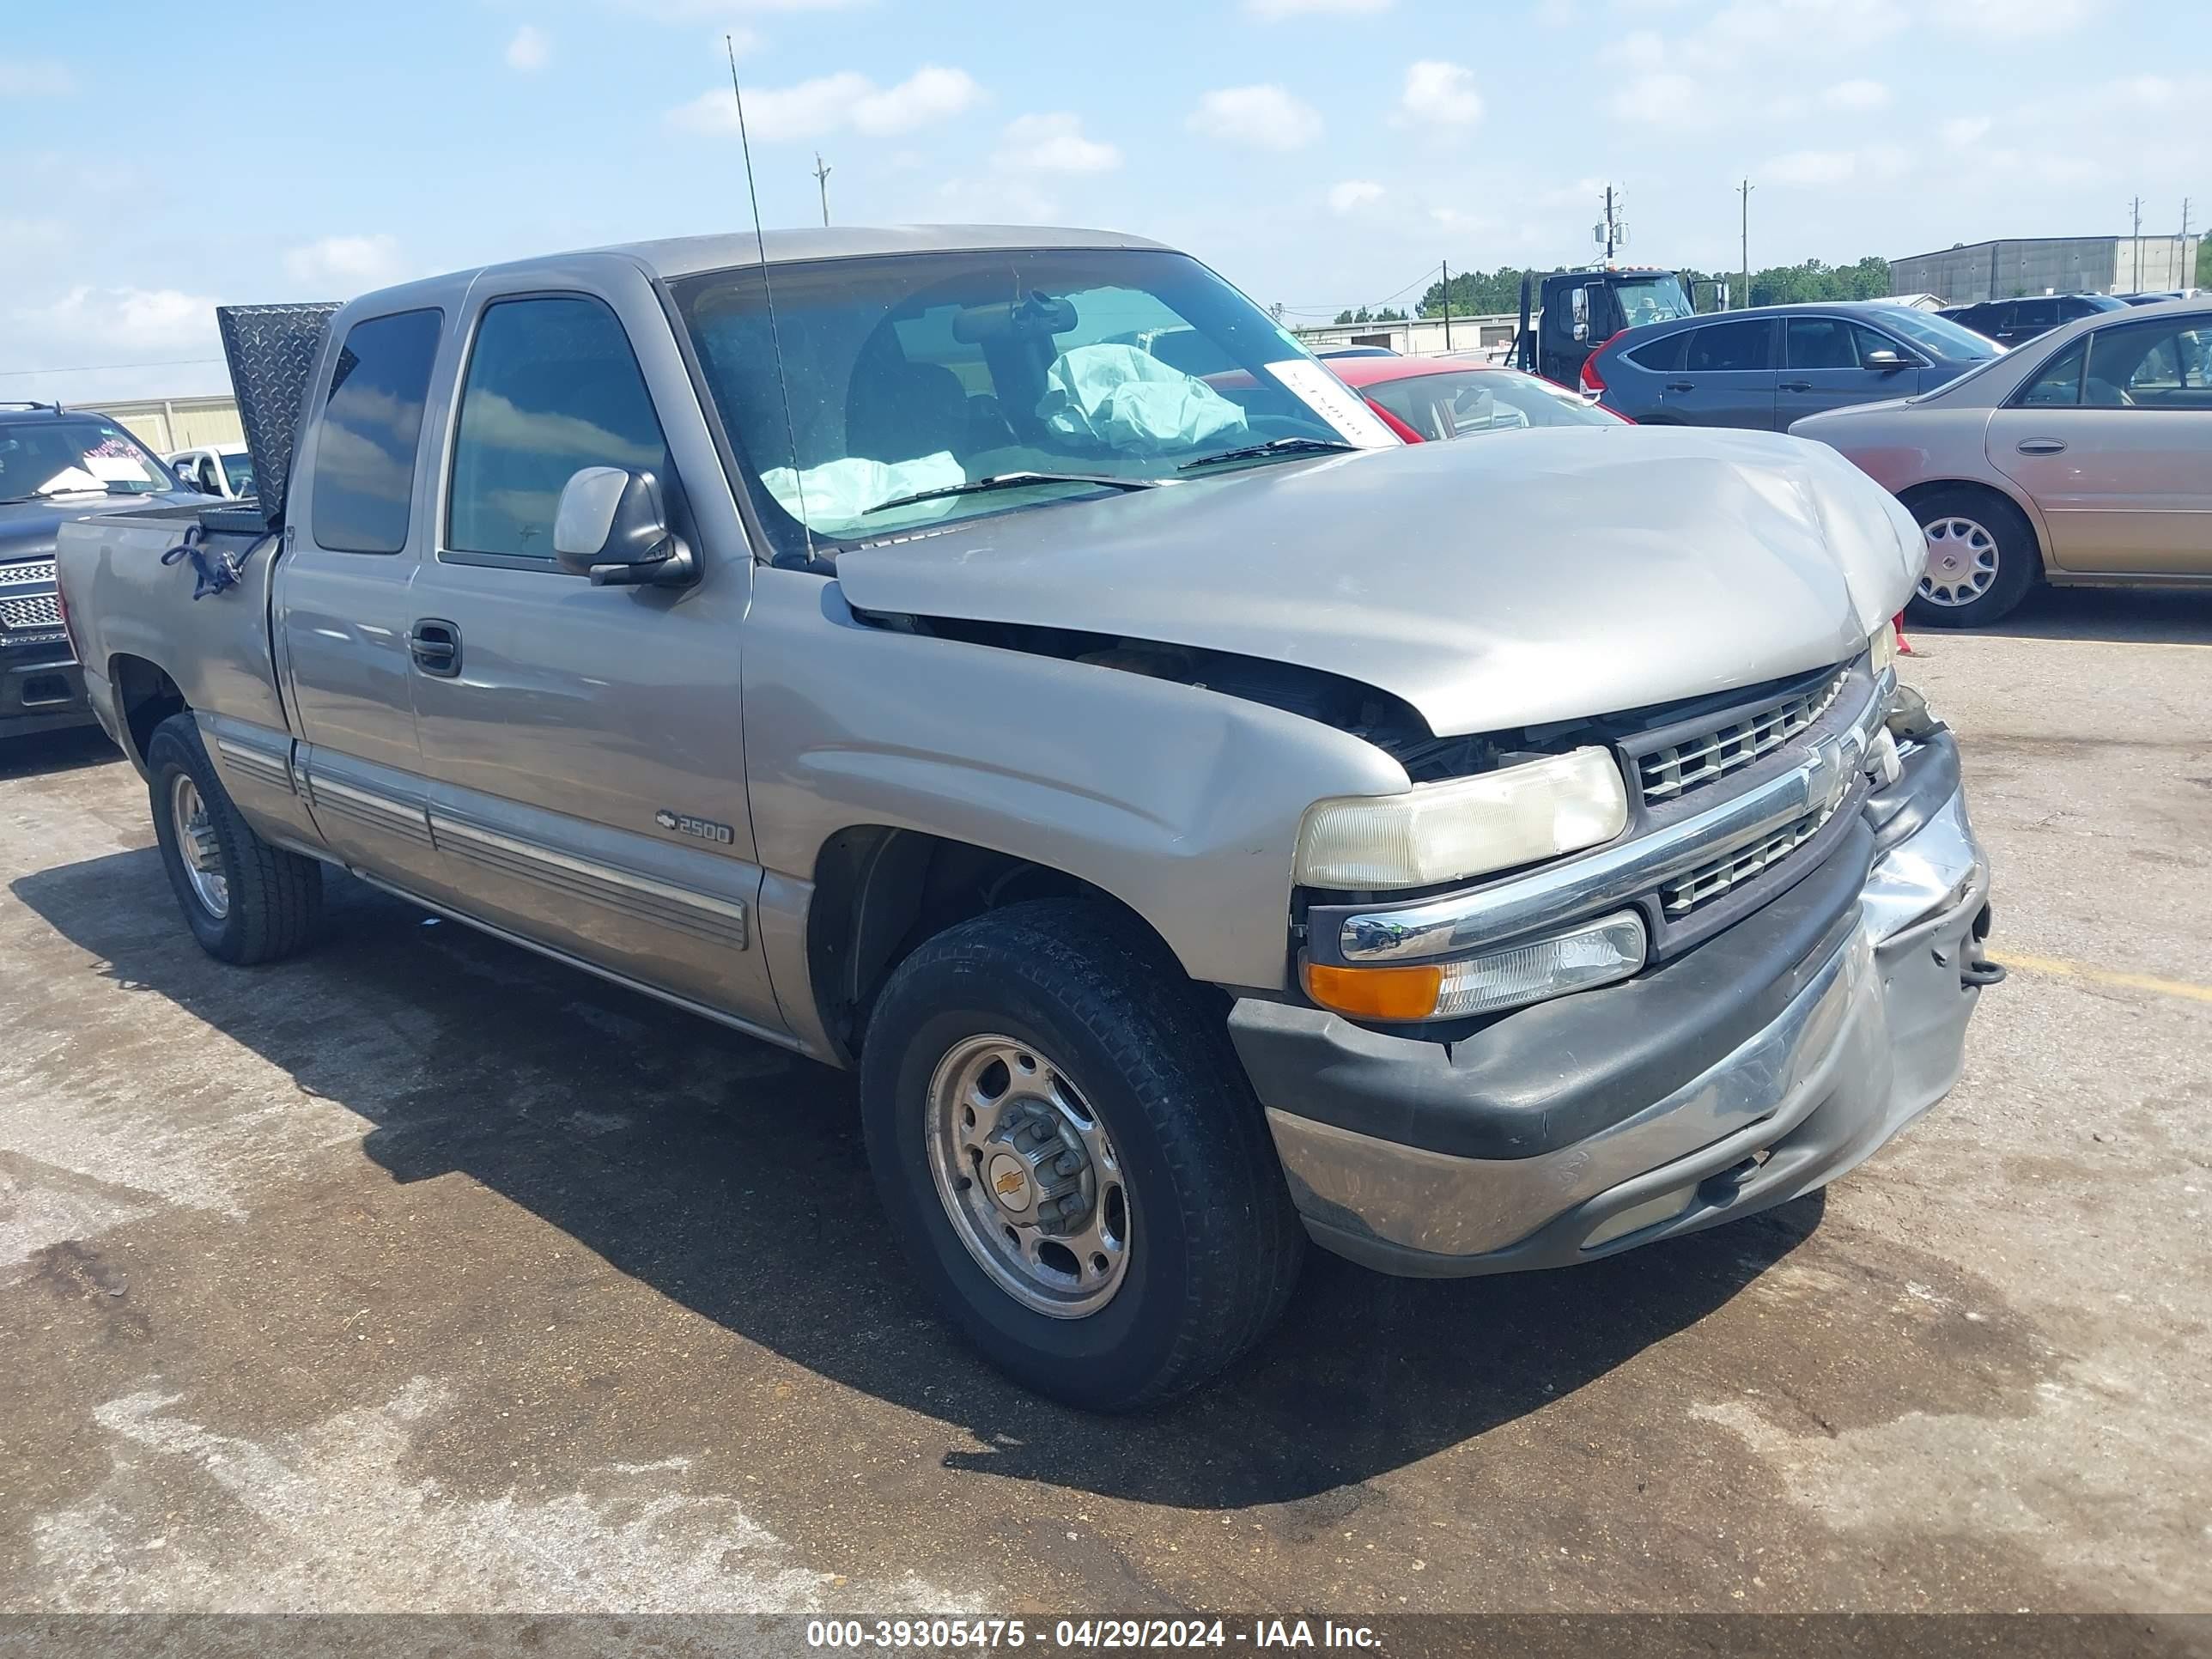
[
  {"x": 29, "y": 573},
  {"x": 41, "y": 614},
  {"x": 1708, "y": 881},
  {"x": 1700, "y": 758}
]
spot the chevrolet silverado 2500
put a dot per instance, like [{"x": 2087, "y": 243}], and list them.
[{"x": 1204, "y": 823}]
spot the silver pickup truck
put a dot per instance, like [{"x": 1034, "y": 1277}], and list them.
[{"x": 1004, "y": 662}]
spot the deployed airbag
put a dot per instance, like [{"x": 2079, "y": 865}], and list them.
[
  {"x": 1129, "y": 400},
  {"x": 835, "y": 497}
]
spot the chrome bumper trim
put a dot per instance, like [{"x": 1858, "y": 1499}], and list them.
[
  {"x": 1872, "y": 1042},
  {"x": 1567, "y": 890}
]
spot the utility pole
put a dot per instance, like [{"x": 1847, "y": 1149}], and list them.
[
  {"x": 2138, "y": 205},
  {"x": 1446, "y": 267},
  {"x": 1608, "y": 224},
  {"x": 2188, "y": 272},
  {"x": 821, "y": 177},
  {"x": 1744, "y": 190}
]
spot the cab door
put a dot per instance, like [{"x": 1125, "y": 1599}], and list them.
[
  {"x": 342, "y": 604},
  {"x": 584, "y": 745}
]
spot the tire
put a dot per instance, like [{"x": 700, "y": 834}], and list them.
[
  {"x": 1972, "y": 524},
  {"x": 1212, "y": 1245},
  {"x": 271, "y": 899}
]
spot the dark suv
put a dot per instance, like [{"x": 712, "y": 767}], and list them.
[
  {"x": 1764, "y": 368},
  {"x": 2010, "y": 321},
  {"x": 56, "y": 465}
]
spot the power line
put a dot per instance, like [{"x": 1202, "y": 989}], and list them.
[
  {"x": 1331, "y": 310},
  {"x": 91, "y": 368}
]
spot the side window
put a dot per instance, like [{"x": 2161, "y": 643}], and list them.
[
  {"x": 2058, "y": 383},
  {"x": 1868, "y": 341},
  {"x": 1664, "y": 355},
  {"x": 2035, "y": 314},
  {"x": 552, "y": 387},
  {"x": 2152, "y": 365},
  {"x": 365, "y": 450},
  {"x": 1991, "y": 320},
  {"x": 1730, "y": 347},
  {"x": 1821, "y": 343}
]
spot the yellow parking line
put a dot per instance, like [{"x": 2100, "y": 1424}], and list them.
[{"x": 2057, "y": 970}]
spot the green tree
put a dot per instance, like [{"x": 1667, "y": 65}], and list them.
[{"x": 2204, "y": 263}]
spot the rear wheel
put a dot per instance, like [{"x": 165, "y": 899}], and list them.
[
  {"x": 1982, "y": 558},
  {"x": 1072, "y": 1158},
  {"x": 245, "y": 901}
]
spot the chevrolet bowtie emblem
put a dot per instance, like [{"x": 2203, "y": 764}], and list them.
[{"x": 1009, "y": 1181}]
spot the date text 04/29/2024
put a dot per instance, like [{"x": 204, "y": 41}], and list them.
[{"x": 1087, "y": 1634}]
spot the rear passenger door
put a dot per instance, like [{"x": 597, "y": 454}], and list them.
[
  {"x": 1727, "y": 377},
  {"x": 342, "y": 607},
  {"x": 584, "y": 745}
]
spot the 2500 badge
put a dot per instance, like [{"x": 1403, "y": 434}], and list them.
[{"x": 705, "y": 828}]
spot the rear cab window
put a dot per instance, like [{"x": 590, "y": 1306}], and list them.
[{"x": 371, "y": 425}]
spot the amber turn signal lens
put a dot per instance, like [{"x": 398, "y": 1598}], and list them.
[{"x": 1376, "y": 993}]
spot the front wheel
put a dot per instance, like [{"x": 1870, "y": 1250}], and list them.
[
  {"x": 1982, "y": 558},
  {"x": 1072, "y": 1158}
]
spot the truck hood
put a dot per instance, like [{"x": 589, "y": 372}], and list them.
[
  {"x": 29, "y": 528},
  {"x": 1498, "y": 581}
]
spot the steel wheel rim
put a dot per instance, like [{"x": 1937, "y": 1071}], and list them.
[
  {"x": 1962, "y": 561},
  {"x": 196, "y": 847},
  {"x": 1028, "y": 1176}
]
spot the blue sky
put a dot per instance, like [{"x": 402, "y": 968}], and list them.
[{"x": 1321, "y": 153}]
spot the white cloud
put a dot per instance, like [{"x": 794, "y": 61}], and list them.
[
  {"x": 35, "y": 77},
  {"x": 23, "y": 240},
  {"x": 832, "y": 103},
  {"x": 2011, "y": 19},
  {"x": 1275, "y": 11},
  {"x": 1963, "y": 130},
  {"x": 1859, "y": 95},
  {"x": 719, "y": 12},
  {"x": 1353, "y": 193},
  {"x": 529, "y": 49},
  {"x": 1809, "y": 166},
  {"x": 1054, "y": 144},
  {"x": 1439, "y": 92},
  {"x": 125, "y": 318},
  {"x": 1665, "y": 98},
  {"x": 339, "y": 267},
  {"x": 1263, "y": 118}
]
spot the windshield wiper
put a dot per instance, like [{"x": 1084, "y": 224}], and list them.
[
  {"x": 1012, "y": 481},
  {"x": 1273, "y": 446}
]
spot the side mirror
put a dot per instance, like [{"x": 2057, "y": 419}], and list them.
[
  {"x": 612, "y": 526},
  {"x": 1888, "y": 361}
]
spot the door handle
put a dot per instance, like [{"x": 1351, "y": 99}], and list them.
[
  {"x": 1681, "y": 386},
  {"x": 1797, "y": 386},
  {"x": 435, "y": 646},
  {"x": 2040, "y": 446}
]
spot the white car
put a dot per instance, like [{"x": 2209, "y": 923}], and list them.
[{"x": 224, "y": 469}]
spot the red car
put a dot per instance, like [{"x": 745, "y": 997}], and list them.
[{"x": 1426, "y": 399}]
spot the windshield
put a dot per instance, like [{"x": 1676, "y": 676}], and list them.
[
  {"x": 1483, "y": 400},
  {"x": 1939, "y": 335},
  {"x": 70, "y": 456},
  {"x": 915, "y": 373},
  {"x": 1659, "y": 299},
  {"x": 239, "y": 469}
]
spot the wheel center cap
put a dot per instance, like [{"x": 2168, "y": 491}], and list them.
[{"x": 1010, "y": 1183}]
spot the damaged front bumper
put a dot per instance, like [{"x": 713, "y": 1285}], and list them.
[{"x": 1766, "y": 1063}]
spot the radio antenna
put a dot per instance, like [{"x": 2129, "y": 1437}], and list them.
[{"x": 768, "y": 292}]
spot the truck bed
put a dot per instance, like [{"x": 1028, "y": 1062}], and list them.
[{"x": 123, "y": 602}]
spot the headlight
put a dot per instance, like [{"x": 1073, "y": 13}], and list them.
[
  {"x": 1595, "y": 953},
  {"x": 1882, "y": 645},
  {"x": 1439, "y": 832}
]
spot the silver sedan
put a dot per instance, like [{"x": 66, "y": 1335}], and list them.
[{"x": 2082, "y": 457}]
